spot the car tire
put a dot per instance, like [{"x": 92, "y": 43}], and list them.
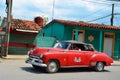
[
  {"x": 52, "y": 66},
  {"x": 99, "y": 66}
]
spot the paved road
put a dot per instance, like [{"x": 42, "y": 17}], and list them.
[{"x": 19, "y": 70}]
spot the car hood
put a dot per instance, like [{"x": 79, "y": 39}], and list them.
[{"x": 38, "y": 51}]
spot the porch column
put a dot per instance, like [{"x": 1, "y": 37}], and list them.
[
  {"x": 101, "y": 41},
  {"x": 76, "y": 34}
]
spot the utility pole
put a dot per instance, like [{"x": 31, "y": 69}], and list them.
[
  {"x": 112, "y": 15},
  {"x": 9, "y": 12},
  {"x": 53, "y": 9}
]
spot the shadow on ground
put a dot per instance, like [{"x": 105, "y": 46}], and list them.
[
  {"x": 63, "y": 70},
  {"x": 82, "y": 69},
  {"x": 32, "y": 70}
]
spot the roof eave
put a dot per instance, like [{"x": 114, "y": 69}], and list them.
[{"x": 31, "y": 31}]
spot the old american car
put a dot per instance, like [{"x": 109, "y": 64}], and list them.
[{"x": 68, "y": 54}]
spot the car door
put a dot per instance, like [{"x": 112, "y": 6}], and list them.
[
  {"x": 76, "y": 57},
  {"x": 89, "y": 52}
]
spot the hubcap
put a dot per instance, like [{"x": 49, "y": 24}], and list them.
[
  {"x": 100, "y": 66},
  {"x": 52, "y": 67}
]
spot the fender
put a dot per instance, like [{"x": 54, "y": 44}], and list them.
[
  {"x": 51, "y": 56},
  {"x": 97, "y": 58}
]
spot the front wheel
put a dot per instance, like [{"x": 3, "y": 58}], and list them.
[
  {"x": 52, "y": 66},
  {"x": 99, "y": 66}
]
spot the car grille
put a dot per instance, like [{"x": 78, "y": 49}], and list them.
[
  {"x": 35, "y": 58},
  {"x": 32, "y": 56}
]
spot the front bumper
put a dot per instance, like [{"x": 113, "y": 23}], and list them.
[{"x": 36, "y": 62}]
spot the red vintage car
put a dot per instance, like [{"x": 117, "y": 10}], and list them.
[{"x": 68, "y": 54}]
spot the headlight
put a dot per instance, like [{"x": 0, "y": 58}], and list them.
[{"x": 41, "y": 55}]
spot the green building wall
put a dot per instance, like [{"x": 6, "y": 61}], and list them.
[
  {"x": 96, "y": 40},
  {"x": 65, "y": 32},
  {"x": 117, "y": 46},
  {"x": 23, "y": 39},
  {"x": 45, "y": 41},
  {"x": 56, "y": 30}
]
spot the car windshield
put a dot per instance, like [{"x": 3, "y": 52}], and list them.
[{"x": 63, "y": 45}]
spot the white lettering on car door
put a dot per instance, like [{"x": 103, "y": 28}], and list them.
[{"x": 77, "y": 59}]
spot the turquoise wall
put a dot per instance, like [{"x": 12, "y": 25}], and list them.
[
  {"x": 64, "y": 32},
  {"x": 96, "y": 40},
  {"x": 89, "y": 32},
  {"x": 117, "y": 46},
  {"x": 67, "y": 33},
  {"x": 45, "y": 41},
  {"x": 54, "y": 30}
]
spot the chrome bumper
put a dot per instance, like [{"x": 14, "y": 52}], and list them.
[{"x": 36, "y": 62}]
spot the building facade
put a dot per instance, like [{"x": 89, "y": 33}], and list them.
[
  {"x": 22, "y": 36},
  {"x": 104, "y": 38}
]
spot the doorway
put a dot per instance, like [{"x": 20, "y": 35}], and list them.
[{"x": 109, "y": 44}]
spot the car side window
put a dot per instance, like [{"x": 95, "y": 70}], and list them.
[
  {"x": 89, "y": 48},
  {"x": 79, "y": 47}
]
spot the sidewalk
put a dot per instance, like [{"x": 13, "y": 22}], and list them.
[
  {"x": 116, "y": 63},
  {"x": 15, "y": 57},
  {"x": 23, "y": 57}
]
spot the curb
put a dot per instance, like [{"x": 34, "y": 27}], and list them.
[
  {"x": 116, "y": 63},
  {"x": 15, "y": 57}
]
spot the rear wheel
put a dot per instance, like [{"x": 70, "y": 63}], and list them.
[
  {"x": 99, "y": 66},
  {"x": 52, "y": 66}
]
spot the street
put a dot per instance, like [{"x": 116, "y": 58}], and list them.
[{"x": 19, "y": 70}]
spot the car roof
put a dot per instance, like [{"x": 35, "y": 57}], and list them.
[{"x": 73, "y": 41}]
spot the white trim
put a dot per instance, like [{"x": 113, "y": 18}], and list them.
[
  {"x": 74, "y": 66},
  {"x": 26, "y": 30}
]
